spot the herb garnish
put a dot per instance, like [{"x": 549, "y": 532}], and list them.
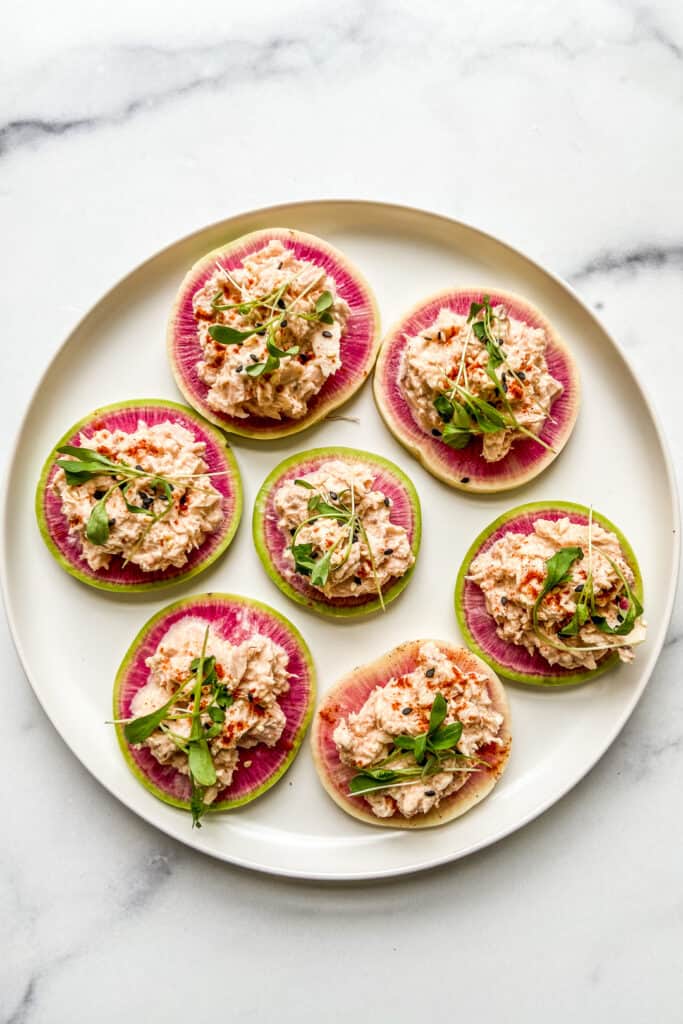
[
  {"x": 340, "y": 507},
  {"x": 280, "y": 312},
  {"x": 429, "y": 750},
  {"x": 196, "y": 745},
  {"x": 465, "y": 414},
  {"x": 85, "y": 464},
  {"x": 558, "y": 573}
]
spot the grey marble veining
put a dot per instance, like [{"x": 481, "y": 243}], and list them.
[{"x": 555, "y": 127}]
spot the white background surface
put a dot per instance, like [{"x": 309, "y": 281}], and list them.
[{"x": 558, "y": 129}]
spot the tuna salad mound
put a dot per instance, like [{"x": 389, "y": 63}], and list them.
[
  {"x": 270, "y": 332},
  {"x": 565, "y": 590},
  {"x": 481, "y": 375},
  {"x": 142, "y": 495},
  {"x": 414, "y": 739},
  {"x": 208, "y": 703},
  {"x": 341, "y": 533}
]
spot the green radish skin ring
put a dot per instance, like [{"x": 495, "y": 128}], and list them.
[
  {"x": 271, "y": 544},
  {"x": 235, "y": 619},
  {"x": 66, "y": 548},
  {"x": 478, "y": 626}
]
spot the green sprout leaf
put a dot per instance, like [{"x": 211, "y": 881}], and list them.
[
  {"x": 324, "y": 302},
  {"x": 97, "y": 529},
  {"x": 225, "y": 335},
  {"x": 201, "y": 763}
]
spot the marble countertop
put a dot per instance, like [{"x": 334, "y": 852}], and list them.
[{"x": 557, "y": 127}]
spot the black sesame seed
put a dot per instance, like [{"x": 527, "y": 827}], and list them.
[
  {"x": 388, "y": 551},
  {"x": 250, "y": 698},
  {"x": 503, "y": 380},
  {"x": 239, "y": 368},
  {"x": 435, "y": 432},
  {"x": 406, "y": 711},
  {"x": 464, "y": 479},
  {"x": 333, "y": 495},
  {"x": 279, "y": 266},
  {"x": 283, "y": 323},
  {"x": 430, "y": 673},
  {"x": 503, "y": 600},
  {"x": 146, "y": 499},
  {"x": 112, "y": 522},
  {"x": 99, "y": 494},
  {"x": 620, "y": 617},
  {"x": 357, "y": 580},
  {"x": 281, "y": 303},
  {"x": 577, "y": 590},
  {"x": 430, "y": 792},
  {"x": 521, "y": 375},
  {"x": 327, "y": 334},
  {"x": 292, "y": 530},
  {"x": 387, "y": 502},
  {"x": 140, "y": 468},
  {"x": 254, "y": 358}
]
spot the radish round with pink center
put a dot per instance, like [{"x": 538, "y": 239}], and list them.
[
  {"x": 272, "y": 543},
  {"x": 359, "y": 341},
  {"x": 66, "y": 547},
  {"x": 350, "y": 694},
  {"x": 235, "y": 619},
  {"x": 466, "y": 468},
  {"x": 478, "y": 625}
]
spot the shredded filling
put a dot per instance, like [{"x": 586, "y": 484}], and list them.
[
  {"x": 240, "y": 708},
  {"x": 367, "y": 739},
  {"x": 270, "y": 333},
  {"x": 340, "y": 531},
  {"x": 484, "y": 375},
  {"x": 514, "y": 572},
  {"x": 172, "y": 519}
]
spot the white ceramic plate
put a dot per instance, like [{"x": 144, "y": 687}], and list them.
[{"x": 118, "y": 352}]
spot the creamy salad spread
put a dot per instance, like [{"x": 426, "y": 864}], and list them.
[
  {"x": 402, "y": 707},
  {"x": 511, "y": 573},
  {"x": 275, "y": 292},
  {"x": 166, "y": 449},
  {"x": 254, "y": 673},
  {"x": 449, "y": 353},
  {"x": 368, "y": 550}
]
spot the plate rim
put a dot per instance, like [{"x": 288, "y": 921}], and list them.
[{"x": 620, "y": 721}]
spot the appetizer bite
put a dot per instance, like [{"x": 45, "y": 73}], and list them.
[
  {"x": 212, "y": 701},
  {"x": 338, "y": 530},
  {"x": 271, "y": 332},
  {"x": 550, "y": 594},
  {"x": 479, "y": 387},
  {"x": 138, "y": 495},
  {"x": 415, "y": 738}
]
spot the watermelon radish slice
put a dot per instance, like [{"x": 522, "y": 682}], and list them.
[
  {"x": 349, "y": 695},
  {"x": 125, "y": 415},
  {"x": 359, "y": 342},
  {"x": 478, "y": 626},
  {"x": 466, "y": 469},
  {"x": 235, "y": 619},
  {"x": 271, "y": 543}
]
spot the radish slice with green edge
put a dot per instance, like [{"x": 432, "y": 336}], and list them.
[
  {"x": 466, "y": 468},
  {"x": 234, "y": 619},
  {"x": 359, "y": 341},
  {"x": 349, "y": 695},
  {"x": 271, "y": 543},
  {"x": 66, "y": 547},
  {"x": 478, "y": 625}
]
